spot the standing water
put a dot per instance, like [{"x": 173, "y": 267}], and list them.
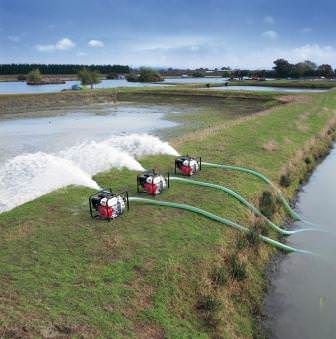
[
  {"x": 20, "y": 87},
  {"x": 302, "y": 298}
]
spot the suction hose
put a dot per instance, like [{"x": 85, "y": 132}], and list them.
[
  {"x": 263, "y": 178},
  {"x": 221, "y": 220},
  {"x": 238, "y": 197}
]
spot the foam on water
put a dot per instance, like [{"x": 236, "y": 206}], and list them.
[{"x": 28, "y": 176}]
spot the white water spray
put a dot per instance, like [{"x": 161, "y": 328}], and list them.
[{"x": 26, "y": 177}]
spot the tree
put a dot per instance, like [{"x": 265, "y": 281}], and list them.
[
  {"x": 325, "y": 70},
  {"x": 89, "y": 77},
  {"x": 282, "y": 68},
  {"x": 21, "y": 77},
  {"x": 226, "y": 74},
  {"x": 311, "y": 65},
  {"x": 300, "y": 69},
  {"x": 34, "y": 76}
]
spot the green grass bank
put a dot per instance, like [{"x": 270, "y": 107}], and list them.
[{"x": 160, "y": 272}]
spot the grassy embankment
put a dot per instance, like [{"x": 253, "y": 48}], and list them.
[
  {"x": 306, "y": 84},
  {"x": 159, "y": 272},
  {"x": 313, "y": 84}
]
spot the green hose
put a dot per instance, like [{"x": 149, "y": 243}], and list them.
[
  {"x": 259, "y": 175},
  {"x": 236, "y": 196},
  {"x": 214, "y": 217}
]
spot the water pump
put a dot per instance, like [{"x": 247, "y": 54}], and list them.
[
  {"x": 106, "y": 205},
  {"x": 152, "y": 183},
  {"x": 187, "y": 165}
]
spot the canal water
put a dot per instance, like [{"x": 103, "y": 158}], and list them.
[{"x": 301, "y": 302}]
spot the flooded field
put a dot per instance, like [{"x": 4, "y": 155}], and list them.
[
  {"x": 16, "y": 87},
  {"x": 38, "y": 155}
]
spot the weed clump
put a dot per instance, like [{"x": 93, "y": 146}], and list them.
[
  {"x": 308, "y": 160},
  {"x": 261, "y": 227},
  {"x": 220, "y": 276},
  {"x": 285, "y": 180},
  {"x": 209, "y": 307},
  {"x": 237, "y": 269},
  {"x": 208, "y": 303},
  {"x": 267, "y": 204},
  {"x": 252, "y": 236},
  {"x": 240, "y": 242}
]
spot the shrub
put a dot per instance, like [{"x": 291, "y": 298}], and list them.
[
  {"x": 238, "y": 269},
  {"x": 220, "y": 276},
  {"x": 267, "y": 204},
  {"x": 112, "y": 76},
  {"x": 21, "y": 77},
  {"x": 34, "y": 76},
  {"x": 285, "y": 180},
  {"x": 145, "y": 75},
  {"x": 132, "y": 77}
]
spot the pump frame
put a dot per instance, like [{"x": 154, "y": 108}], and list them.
[
  {"x": 94, "y": 213},
  {"x": 198, "y": 159},
  {"x": 154, "y": 172}
]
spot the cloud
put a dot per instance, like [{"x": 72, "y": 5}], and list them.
[
  {"x": 80, "y": 54},
  {"x": 64, "y": 44},
  {"x": 306, "y": 30},
  {"x": 166, "y": 43},
  {"x": 96, "y": 43},
  {"x": 14, "y": 38},
  {"x": 61, "y": 45},
  {"x": 315, "y": 52},
  {"x": 269, "y": 20},
  {"x": 272, "y": 35},
  {"x": 45, "y": 48}
]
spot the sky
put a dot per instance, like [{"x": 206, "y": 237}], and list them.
[{"x": 168, "y": 33}]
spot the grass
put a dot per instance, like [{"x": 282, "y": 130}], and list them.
[
  {"x": 151, "y": 272},
  {"x": 309, "y": 84}
]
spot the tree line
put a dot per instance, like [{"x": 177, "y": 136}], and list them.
[
  {"x": 7, "y": 69},
  {"x": 284, "y": 69}
]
